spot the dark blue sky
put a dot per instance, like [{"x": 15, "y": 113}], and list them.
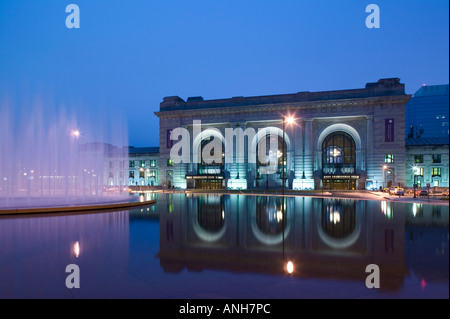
[{"x": 128, "y": 55}]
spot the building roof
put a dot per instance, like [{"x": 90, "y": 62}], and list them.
[
  {"x": 383, "y": 87},
  {"x": 427, "y": 141},
  {"x": 430, "y": 90},
  {"x": 143, "y": 150}
]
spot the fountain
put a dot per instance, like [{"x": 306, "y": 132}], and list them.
[{"x": 47, "y": 160}]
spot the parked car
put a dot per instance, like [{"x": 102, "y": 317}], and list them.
[
  {"x": 396, "y": 191},
  {"x": 424, "y": 192}
]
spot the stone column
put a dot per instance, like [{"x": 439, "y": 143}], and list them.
[{"x": 308, "y": 149}]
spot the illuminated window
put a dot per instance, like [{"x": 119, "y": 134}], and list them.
[
  {"x": 153, "y": 163},
  {"x": 131, "y": 174},
  {"x": 152, "y": 174},
  {"x": 389, "y": 158},
  {"x": 169, "y": 162},
  {"x": 418, "y": 158},
  {"x": 418, "y": 171},
  {"x": 436, "y": 171},
  {"x": 141, "y": 163},
  {"x": 131, "y": 164},
  {"x": 141, "y": 174}
]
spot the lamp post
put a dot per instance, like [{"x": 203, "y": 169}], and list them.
[
  {"x": 289, "y": 120},
  {"x": 415, "y": 181},
  {"x": 384, "y": 174}
]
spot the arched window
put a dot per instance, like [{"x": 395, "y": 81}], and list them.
[
  {"x": 270, "y": 155},
  {"x": 339, "y": 148},
  {"x": 339, "y": 154}
]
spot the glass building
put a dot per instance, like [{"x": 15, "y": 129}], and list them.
[{"x": 427, "y": 113}]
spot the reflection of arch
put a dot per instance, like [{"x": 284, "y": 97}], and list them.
[
  {"x": 346, "y": 235},
  {"x": 269, "y": 217},
  {"x": 209, "y": 220},
  {"x": 267, "y": 238}
]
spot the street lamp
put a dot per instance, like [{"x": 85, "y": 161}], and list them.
[
  {"x": 288, "y": 120},
  {"x": 415, "y": 170}
]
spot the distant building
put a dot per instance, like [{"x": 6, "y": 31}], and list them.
[
  {"x": 143, "y": 166},
  {"x": 427, "y": 137},
  {"x": 427, "y": 162},
  {"x": 427, "y": 113}
]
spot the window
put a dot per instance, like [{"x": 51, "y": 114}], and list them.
[
  {"x": 389, "y": 130},
  {"x": 152, "y": 174},
  {"x": 418, "y": 158},
  {"x": 141, "y": 174},
  {"x": 436, "y": 171},
  {"x": 141, "y": 163},
  {"x": 436, "y": 184},
  {"x": 153, "y": 163},
  {"x": 418, "y": 171},
  {"x": 131, "y": 164},
  {"x": 168, "y": 140},
  {"x": 169, "y": 162},
  {"x": 436, "y": 158},
  {"x": 131, "y": 174},
  {"x": 389, "y": 158}
]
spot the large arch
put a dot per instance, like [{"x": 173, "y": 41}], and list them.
[
  {"x": 347, "y": 176},
  {"x": 339, "y": 127},
  {"x": 196, "y": 143},
  {"x": 262, "y": 132}
]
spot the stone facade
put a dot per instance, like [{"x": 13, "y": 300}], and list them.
[{"x": 371, "y": 120}]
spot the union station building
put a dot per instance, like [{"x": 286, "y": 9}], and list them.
[{"x": 344, "y": 139}]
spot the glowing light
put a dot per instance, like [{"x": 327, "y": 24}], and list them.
[
  {"x": 279, "y": 216},
  {"x": 336, "y": 152},
  {"x": 289, "y": 120},
  {"x": 76, "y": 249},
  {"x": 423, "y": 283},
  {"x": 335, "y": 217},
  {"x": 76, "y": 133},
  {"x": 290, "y": 267}
]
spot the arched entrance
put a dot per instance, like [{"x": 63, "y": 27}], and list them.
[
  {"x": 339, "y": 162},
  {"x": 211, "y": 169}
]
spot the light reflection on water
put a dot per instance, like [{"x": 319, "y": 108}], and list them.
[{"x": 230, "y": 246}]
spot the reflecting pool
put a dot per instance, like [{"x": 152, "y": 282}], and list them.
[{"x": 230, "y": 246}]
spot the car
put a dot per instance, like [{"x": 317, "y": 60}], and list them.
[
  {"x": 396, "y": 191},
  {"x": 424, "y": 192}
]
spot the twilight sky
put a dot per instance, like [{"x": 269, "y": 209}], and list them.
[{"x": 127, "y": 55}]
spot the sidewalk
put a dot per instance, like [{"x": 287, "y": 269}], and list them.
[{"x": 432, "y": 200}]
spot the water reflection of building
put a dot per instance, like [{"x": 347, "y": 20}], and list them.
[{"x": 324, "y": 237}]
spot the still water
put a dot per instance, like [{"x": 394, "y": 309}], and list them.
[{"x": 230, "y": 246}]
